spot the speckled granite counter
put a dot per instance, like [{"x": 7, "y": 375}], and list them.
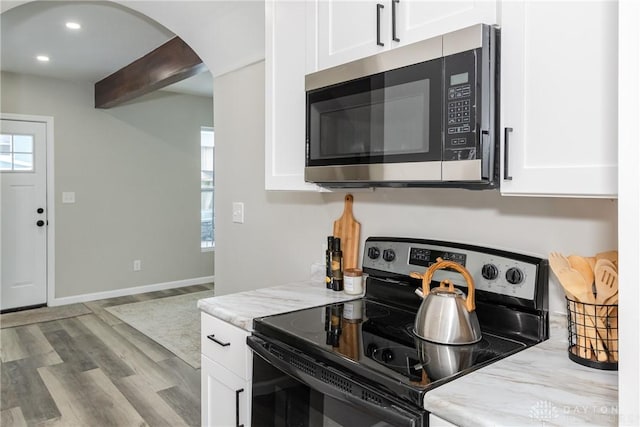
[
  {"x": 241, "y": 308},
  {"x": 537, "y": 386}
]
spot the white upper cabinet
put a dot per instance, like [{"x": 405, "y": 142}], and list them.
[
  {"x": 285, "y": 63},
  {"x": 348, "y": 30},
  {"x": 559, "y": 98}
]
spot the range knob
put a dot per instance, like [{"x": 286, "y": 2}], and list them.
[
  {"x": 371, "y": 350},
  {"x": 387, "y": 355},
  {"x": 373, "y": 252},
  {"x": 514, "y": 276},
  {"x": 490, "y": 272},
  {"x": 388, "y": 255}
]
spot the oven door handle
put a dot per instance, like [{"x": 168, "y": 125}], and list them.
[{"x": 395, "y": 413}]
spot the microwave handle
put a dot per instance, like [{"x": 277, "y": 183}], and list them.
[
  {"x": 379, "y": 8},
  {"x": 394, "y": 36},
  {"x": 507, "y": 132}
]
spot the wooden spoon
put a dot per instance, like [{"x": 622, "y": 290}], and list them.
[
  {"x": 558, "y": 263},
  {"x": 583, "y": 267}
]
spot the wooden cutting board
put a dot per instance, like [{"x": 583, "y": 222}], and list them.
[{"x": 348, "y": 230}]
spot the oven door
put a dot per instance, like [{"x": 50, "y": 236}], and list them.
[{"x": 291, "y": 389}]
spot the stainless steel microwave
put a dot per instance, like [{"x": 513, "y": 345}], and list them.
[{"x": 424, "y": 114}]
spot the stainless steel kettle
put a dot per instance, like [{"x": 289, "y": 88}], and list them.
[
  {"x": 446, "y": 315},
  {"x": 441, "y": 361}
]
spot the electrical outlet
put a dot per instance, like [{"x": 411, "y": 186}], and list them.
[
  {"x": 68, "y": 197},
  {"x": 137, "y": 265}
]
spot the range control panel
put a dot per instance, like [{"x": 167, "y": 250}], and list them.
[{"x": 492, "y": 270}]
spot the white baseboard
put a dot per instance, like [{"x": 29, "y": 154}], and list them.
[{"x": 130, "y": 291}]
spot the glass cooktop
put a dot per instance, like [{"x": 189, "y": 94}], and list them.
[{"x": 377, "y": 342}]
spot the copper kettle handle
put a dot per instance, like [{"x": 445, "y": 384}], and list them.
[{"x": 440, "y": 264}]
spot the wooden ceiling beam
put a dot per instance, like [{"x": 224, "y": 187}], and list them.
[{"x": 168, "y": 64}]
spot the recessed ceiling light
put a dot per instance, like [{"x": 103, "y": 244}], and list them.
[
  {"x": 42, "y": 58},
  {"x": 73, "y": 25}
]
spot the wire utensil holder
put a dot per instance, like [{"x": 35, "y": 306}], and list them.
[{"x": 593, "y": 334}]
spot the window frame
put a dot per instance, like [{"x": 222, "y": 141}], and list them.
[{"x": 203, "y": 190}]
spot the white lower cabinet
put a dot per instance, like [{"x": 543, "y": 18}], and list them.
[
  {"x": 226, "y": 398},
  {"x": 225, "y": 374},
  {"x": 436, "y": 421}
]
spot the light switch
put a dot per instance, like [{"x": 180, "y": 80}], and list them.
[
  {"x": 238, "y": 212},
  {"x": 68, "y": 197}
]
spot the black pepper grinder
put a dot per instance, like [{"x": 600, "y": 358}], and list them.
[
  {"x": 337, "y": 283},
  {"x": 328, "y": 261}
]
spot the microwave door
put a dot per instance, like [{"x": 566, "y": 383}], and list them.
[{"x": 382, "y": 128}]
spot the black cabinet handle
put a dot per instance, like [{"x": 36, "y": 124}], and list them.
[
  {"x": 238, "y": 408},
  {"x": 379, "y": 9},
  {"x": 40, "y": 223},
  {"x": 40, "y": 210},
  {"x": 507, "y": 132},
  {"x": 393, "y": 20},
  {"x": 212, "y": 337}
]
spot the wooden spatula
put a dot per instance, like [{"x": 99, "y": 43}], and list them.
[
  {"x": 606, "y": 279},
  {"x": 610, "y": 255},
  {"x": 607, "y": 293}
]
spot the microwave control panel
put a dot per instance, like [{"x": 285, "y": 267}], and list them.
[{"x": 460, "y": 140}]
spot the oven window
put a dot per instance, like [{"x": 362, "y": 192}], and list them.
[
  {"x": 388, "y": 117},
  {"x": 281, "y": 401}
]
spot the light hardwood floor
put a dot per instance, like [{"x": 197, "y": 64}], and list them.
[{"x": 94, "y": 370}]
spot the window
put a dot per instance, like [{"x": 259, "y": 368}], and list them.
[
  {"x": 16, "y": 152},
  {"x": 207, "y": 217}
]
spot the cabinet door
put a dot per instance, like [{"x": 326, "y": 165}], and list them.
[
  {"x": 226, "y": 398},
  {"x": 559, "y": 97},
  {"x": 419, "y": 20},
  {"x": 285, "y": 63},
  {"x": 348, "y": 30}
]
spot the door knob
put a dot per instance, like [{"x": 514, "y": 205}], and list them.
[
  {"x": 40, "y": 210},
  {"x": 40, "y": 223}
]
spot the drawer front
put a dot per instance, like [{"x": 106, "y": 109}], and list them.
[{"x": 226, "y": 344}]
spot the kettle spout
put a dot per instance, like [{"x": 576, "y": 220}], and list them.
[{"x": 419, "y": 292}]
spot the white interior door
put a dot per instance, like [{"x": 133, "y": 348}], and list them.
[{"x": 23, "y": 213}]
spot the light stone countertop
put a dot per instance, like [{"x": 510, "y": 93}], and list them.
[
  {"x": 537, "y": 386},
  {"x": 241, "y": 308}
]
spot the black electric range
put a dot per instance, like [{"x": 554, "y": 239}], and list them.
[{"x": 364, "y": 354}]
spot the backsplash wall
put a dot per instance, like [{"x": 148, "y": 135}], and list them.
[{"x": 530, "y": 225}]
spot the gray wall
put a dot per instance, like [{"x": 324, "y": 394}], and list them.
[
  {"x": 279, "y": 236},
  {"x": 135, "y": 170},
  {"x": 284, "y": 231}
]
